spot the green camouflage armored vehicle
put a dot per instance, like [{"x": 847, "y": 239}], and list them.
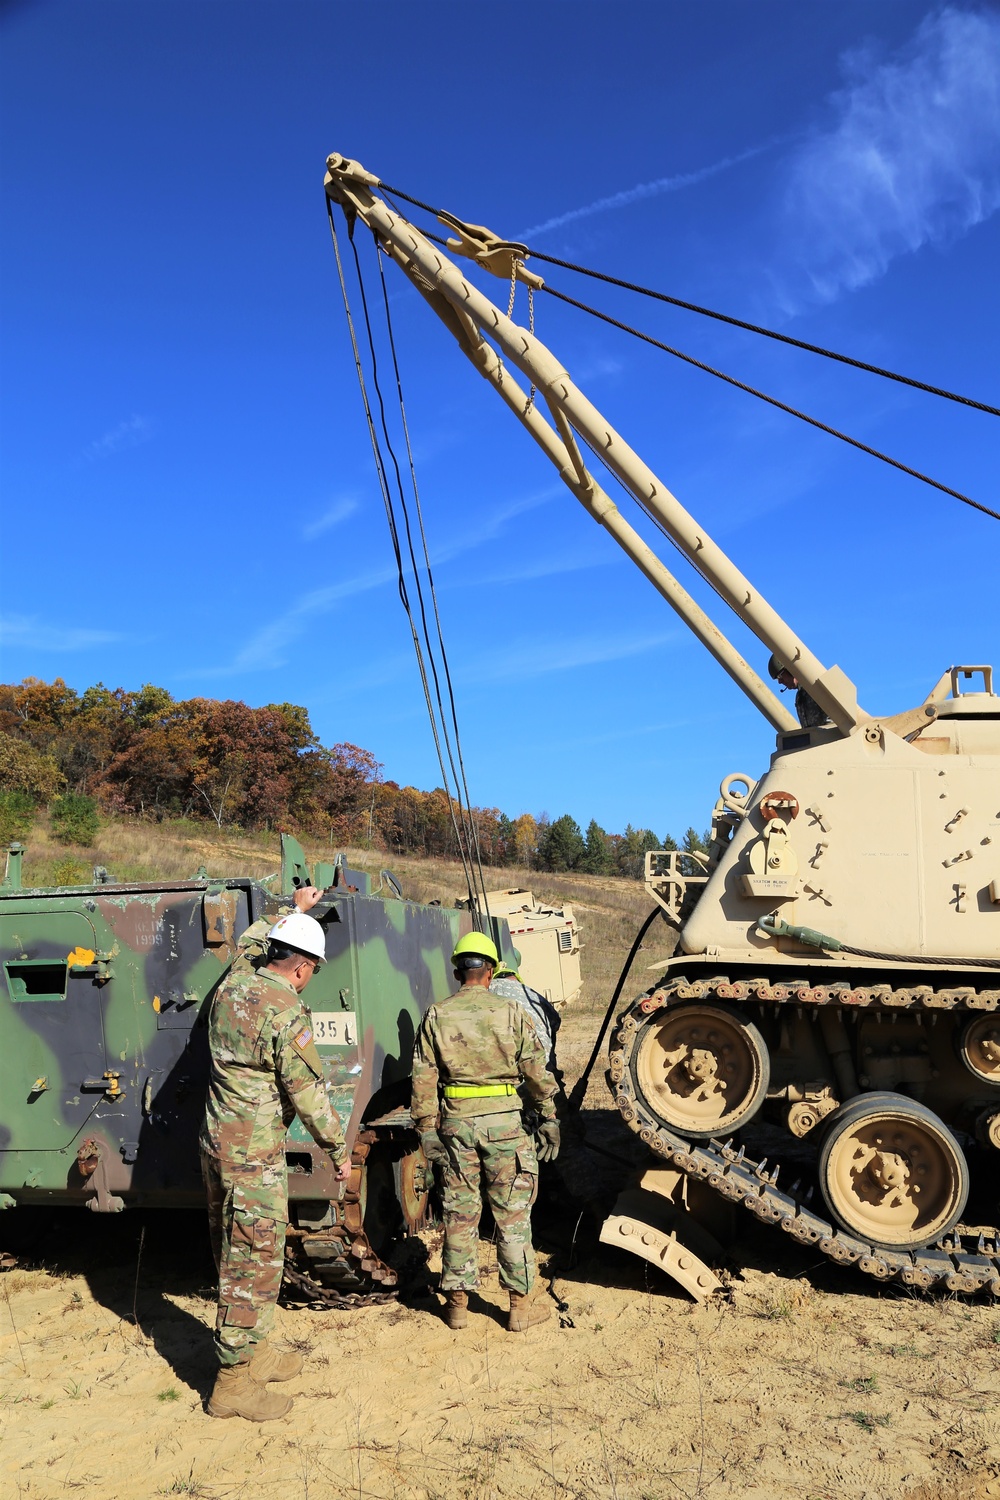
[{"x": 104, "y": 999}]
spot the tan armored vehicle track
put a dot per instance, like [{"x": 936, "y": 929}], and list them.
[{"x": 838, "y": 963}]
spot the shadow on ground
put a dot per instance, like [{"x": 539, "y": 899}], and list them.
[{"x": 134, "y": 1263}]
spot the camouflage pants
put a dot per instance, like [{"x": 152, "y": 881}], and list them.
[
  {"x": 247, "y": 1219},
  {"x": 495, "y": 1151}
]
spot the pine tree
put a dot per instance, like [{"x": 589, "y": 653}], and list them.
[
  {"x": 561, "y": 846},
  {"x": 596, "y": 856},
  {"x": 694, "y": 841}
]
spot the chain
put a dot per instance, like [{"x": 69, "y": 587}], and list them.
[
  {"x": 531, "y": 328},
  {"x": 321, "y": 1296}
]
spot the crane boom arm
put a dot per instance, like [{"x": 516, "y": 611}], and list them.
[{"x": 475, "y": 321}]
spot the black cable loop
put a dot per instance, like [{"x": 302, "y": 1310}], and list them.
[
  {"x": 394, "y": 536},
  {"x": 708, "y": 312},
  {"x": 772, "y": 401},
  {"x": 579, "y": 1091},
  {"x": 460, "y": 774}
]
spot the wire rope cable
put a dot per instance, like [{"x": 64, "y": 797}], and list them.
[
  {"x": 762, "y": 395},
  {"x": 400, "y": 570},
  {"x": 793, "y": 411},
  {"x": 460, "y": 773},
  {"x": 409, "y": 543},
  {"x": 721, "y": 317},
  {"x": 771, "y": 333}
]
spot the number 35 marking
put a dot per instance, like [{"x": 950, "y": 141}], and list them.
[{"x": 335, "y": 1028}]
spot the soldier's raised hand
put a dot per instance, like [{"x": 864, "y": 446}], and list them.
[{"x": 306, "y": 897}]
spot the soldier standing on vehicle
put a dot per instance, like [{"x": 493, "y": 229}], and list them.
[
  {"x": 265, "y": 1071},
  {"x": 471, "y": 1052},
  {"x": 251, "y": 950},
  {"x": 809, "y": 713}
]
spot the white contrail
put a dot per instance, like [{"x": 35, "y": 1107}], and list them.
[{"x": 643, "y": 190}]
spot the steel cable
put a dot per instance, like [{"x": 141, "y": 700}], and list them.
[
  {"x": 459, "y": 774},
  {"x": 394, "y": 536},
  {"x": 793, "y": 411},
  {"x": 409, "y": 542},
  {"x": 708, "y": 312}
]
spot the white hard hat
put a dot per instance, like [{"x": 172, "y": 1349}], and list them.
[{"x": 300, "y": 932}]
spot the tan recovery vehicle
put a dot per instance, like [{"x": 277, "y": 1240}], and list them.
[{"x": 837, "y": 972}]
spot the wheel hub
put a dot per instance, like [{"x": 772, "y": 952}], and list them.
[
  {"x": 888, "y": 1170},
  {"x": 891, "y": 1172},
  {"x": 700, "y": 1064},
  {"x": 701, "y": 1068}
]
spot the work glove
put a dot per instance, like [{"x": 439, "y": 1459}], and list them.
[
  {"x": 547, "y": 1141},
  {"x": 434, "y": 1148}
]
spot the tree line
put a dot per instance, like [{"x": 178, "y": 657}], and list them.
[{"x": 148, "y": 755}]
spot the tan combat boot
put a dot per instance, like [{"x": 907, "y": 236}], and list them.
[
  {"x": 237, "y": 1394},
  {"x": 268, "y": 1364},
  {"x": 525, "y": 1312},
  {"x": 456, "y": 1309}
]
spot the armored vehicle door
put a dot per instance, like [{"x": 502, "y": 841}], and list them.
[{"x": 52, "y": 1054}]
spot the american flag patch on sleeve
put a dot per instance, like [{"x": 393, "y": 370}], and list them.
[{"x": 304, "y": 1037}]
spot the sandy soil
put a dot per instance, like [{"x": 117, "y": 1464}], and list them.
[{"x": 629, "y": 1393}]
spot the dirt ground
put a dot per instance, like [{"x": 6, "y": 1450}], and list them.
[{"x": 809, "y": 1382}]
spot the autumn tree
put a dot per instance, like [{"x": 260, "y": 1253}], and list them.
[{"x": 525, "y": 840}]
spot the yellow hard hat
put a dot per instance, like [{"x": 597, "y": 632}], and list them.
[{"x": 476, "y": 945}]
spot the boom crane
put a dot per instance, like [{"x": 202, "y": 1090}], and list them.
[
  {"x": 475, "y": 321},
  {"x": 886, "y": 830}
]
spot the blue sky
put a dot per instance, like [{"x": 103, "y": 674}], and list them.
[{"x": 188, "y": 491}]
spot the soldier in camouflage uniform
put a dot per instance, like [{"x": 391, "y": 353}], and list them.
[
  {"x": 265, "y": 1070},
  {"x": 251, "y": 951},
  {"x": 541, "y": 1012},
  {"x": 470, "y": 1054},
  {"x": 809, "y": 713}
]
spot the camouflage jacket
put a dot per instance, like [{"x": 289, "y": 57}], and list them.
[
  {"x": 265, "y": 1071},
  {"x": 477, "y": 1038}
]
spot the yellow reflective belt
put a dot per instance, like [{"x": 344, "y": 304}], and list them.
[{"x": 477, "y": 1091}]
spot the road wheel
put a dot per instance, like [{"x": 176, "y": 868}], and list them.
[
  {"x": 891, "y": 1172},
  {"x": 702, "y": 1069},
  {"x": 978, "y": 1046}
]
